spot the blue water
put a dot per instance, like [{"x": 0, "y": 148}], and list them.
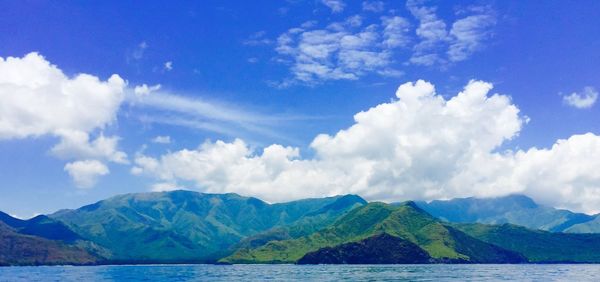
[{"x": 438, "y": 272}]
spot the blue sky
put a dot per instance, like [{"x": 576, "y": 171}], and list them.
[{"x": 283, "y": 72}]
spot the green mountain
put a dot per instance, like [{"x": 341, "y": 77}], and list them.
[
  {"x": 378, "y": 249},
  {"x": 22, "y": 249},
  {"x": 441, "y": 242},
  {"x": 308, "y": 224},
  {"x": 41, "y": 226},
  {"x": 514, "y": 209},
  {"x": 592, "y": 226},
  {"x": 185, "y": 226},
  {"x": 538, "y": 245}
]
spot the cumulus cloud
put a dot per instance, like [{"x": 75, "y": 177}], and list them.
[
  {"x": 76, "y": 145},
  {"x": 582, "y": 100},
  {"x": 418, "y": 146},
  {"x": 39, "y": 99},
  {"x": 336, "y": 6},
  {"x": 85, "y": 173}
]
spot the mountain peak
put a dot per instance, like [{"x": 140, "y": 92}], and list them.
[{"x": 519, "y": 200}]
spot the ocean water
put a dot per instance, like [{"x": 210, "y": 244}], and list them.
[{"x": 437, "y": 272}]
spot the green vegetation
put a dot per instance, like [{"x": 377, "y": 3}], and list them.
[
  {"x": 407, "y": 221},
  {"x": 536, "y": 245},
  {"x": 185, "y": 226},
  {"x": 21, "y": 249},
  {"x": 41, "y": 226},
  {"x": 378, "y": 249},
  {"x": 514, "y": 209}
]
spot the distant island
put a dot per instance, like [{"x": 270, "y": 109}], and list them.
[{"x": 191, "y": 227}]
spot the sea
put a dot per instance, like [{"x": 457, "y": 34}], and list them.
[{"x": 435, "y": 272}]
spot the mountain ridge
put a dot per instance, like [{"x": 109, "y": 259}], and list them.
[
  {"x": 186, "y": 225},
  {"x": 406, "y": 221},
  {"x": 515, "y": 209},
  {"x": 191, "y": 227}
]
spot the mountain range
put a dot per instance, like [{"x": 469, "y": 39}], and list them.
[
  {"x": 514, "y": 209},
  {"x": 190, "y": 227}
]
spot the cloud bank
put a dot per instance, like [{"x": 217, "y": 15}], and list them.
[
  {"x": 418, "y": 146},
  {"x": 38, "y": 99}
]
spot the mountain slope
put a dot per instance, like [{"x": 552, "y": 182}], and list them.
[
  {"x": 514, "y": 209},
  {"x": 185, "y": 226},
  {"x": 378, "y": 249},
  {"x": 407, "y": 221},
  {"x": 309, "y": 224},
  {"x": 20, "y": 249},
  {"x": 592, "y": 226},
  {"x": 41, "y": 226},
  {"x": 536, "y": 245}
]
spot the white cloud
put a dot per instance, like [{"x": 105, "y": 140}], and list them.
[
  {"x": 198, "y": 113},
  {"x": 431, "y": 31},
  {"x": 168, "y": 65},
  {"x": 138, "y": 52},
  {"x": 336, "y": 6},
  {"x": 258, "y": 38},
  {"x": 164, "y": 186},
  {"x": 162, "y": 139},
  {"x": 142, "y": 90},
  {"x": 420, "y": 146},
  {"x": 76, "y": 145},
  {"x": 395, "y": 31},
  {"x": 85, "y": 173},
  {"x": 39, "y": 99},
  {"x": 583, "y": 100},
  {"x": 465, "y": 37},
  {"x": 373, "y": 6},
  {"x": 468, "y": 34},
  {"x": 359, "y": 46},
  {"x": 343, "y": 50}
]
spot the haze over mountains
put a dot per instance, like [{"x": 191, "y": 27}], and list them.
[
  {"x": 514, "y": 209},
  {"x": 184, "y": 226}
]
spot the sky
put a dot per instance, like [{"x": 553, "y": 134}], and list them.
[{"x": 283, "y": 100}]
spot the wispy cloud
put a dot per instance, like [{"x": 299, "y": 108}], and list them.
[
  {"x": 341, "y": 50},
  {"x": 359, "y": 46},
  {"x": 468, "y": 34},
  {"x": 258, "y": 38},
  {"x": 373, "y": 6},
  {"x": 169, "y": 66},
  {"x": 162, "y": 139},
  {"x": 137, "y": 53},
  {"x": 336, "y": 6},
  {"x": 582, "y": 100},
  {"x": 164, "y": 107}
]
